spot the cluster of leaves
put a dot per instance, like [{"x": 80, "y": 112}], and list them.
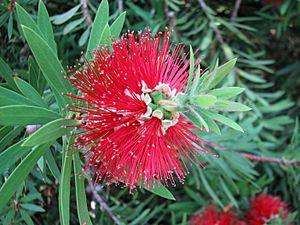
[{"x": 269, "y": 73}]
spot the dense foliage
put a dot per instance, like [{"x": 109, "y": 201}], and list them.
[{"x": 263, "y": 35}]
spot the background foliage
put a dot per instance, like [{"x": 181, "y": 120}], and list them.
[{"x": 264, "y": 37}]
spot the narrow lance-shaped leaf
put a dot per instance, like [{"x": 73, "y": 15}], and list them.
[
  {"x": 161, "y": 191},
  {"x": 191, "y": 74},
  {"x": 222, "y": 71},
  {"x": 10, "y": 155},
  {"x": 20, "y": 173},
  {"x": 101, "y": 19},
  {"x": 117, "y": 25},
  {"x": 226, "y": 92},
  {"x": 230, "y": 106},
  {"x": 45, "y": 26},
  {"x": 30, "y": 92},
  {"x": 222, "y": 119},
  {"x": 25, "y": 115},
  {"x": 49, "y": 64},
  {"x": 64, "y": 188},
  {"x": 50, "y": 132},
  {"x": 82, "y": 210},
  {"x": 9, "y": 97}
]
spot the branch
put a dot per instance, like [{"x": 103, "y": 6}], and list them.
[
  {"x": 216, "y": 30},
  {"x": 120, "y": 5},
  {"x": 102, "y": 204},
  {"x": 270, "y": 159},
  {"x": 85, "y": 12},
  {"x": 236, "y": 9}
]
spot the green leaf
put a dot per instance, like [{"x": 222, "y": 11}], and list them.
[
  {"x": 161, "y": 191},
  {"x": 82, "y": 210},
  {"x": 226, "y": 92},
  {"x": 50, "y": 132},
  {"x": 117, "y": 25},
  {"x": 10, "y": 136},
  {"x": 197, "y": 119},
  {"x": 72, "y": 25},
  {"x": 222, "y": 119},
  {"x": 191, "y": 74},
  {"x": 26, "y": 20},
  {"x": 9, "y": 156},
  {"x": 52, "y": 165},
  {"x": 26, "y": 115},
  {"x": 203, "y": 101},
  {"x": 84, "y": 37},
  {"x": 61, "y": 18},
  {"x": 49, "y": 64},
  {"x": 26, "y": 217},
  {"x": 230, "y": 106},
  {"x": 32, "y": 207},
  {"x": 29, "y": 92},
  {"x": 9, "y": 217},
  {"x": 210, "y": 191},
  {"x": 8, "y": 97},
  {"x": 222, "y": 71},
  {"x": 10, "y": 25},
  {"x": 45, "y": 26},
  {"x": 101, "y": 19},
  {"x": 20, "y": 173},
  {"x": 106, "y": 37},
  {"x": 7, "y": 73},
  {"x": 64, "y": 189}
]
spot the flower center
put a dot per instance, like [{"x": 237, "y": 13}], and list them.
[{"x": 153, "y": 99}]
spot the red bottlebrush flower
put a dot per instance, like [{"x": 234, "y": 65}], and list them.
[
  {"x": 212, "y": 217},
  {"x": 264, "y": 208},
  {"x": 127, "y": 135}
]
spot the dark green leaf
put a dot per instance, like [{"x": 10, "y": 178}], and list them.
[
  {"x": 161, "y": 191},
  {"x": 14, "y": 181},
  {"x": 8, "y": 97},
  {"x": 50, "y": 132},
  {"x": 7, "y": 73},
  {"x": 26, "y": 115},
  {"x": 32, "y": 207},
  {"x": 45, "y": 26}
]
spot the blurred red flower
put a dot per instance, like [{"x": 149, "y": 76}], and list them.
[
  {"x": 211, "y": 216},
  {"x": 127, "y": 135},
  {"x": 265, "y": 208}
]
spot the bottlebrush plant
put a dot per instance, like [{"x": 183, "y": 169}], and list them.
[{"x": 134, "y": 112}]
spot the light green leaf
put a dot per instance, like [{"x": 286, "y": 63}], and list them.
[
  {"x": 106, "y": 37},
  {"x": 191, "y": 74},
  {"x": 101, "y": 19},
  {"x": 29, "y": 92},
  {"x": 45, "y": 26},
  {"x": 222, "y": 71},
  {"x": 230, "y": 106},
  {"x": 82, "y": 210},
  {"x": 203, "y": 101},
  {"x": 32, "y": 207},
  {"x": 161, "y": 191},
  {"x": 197, "y": 119},
  {"x": 50, "y": 132},
  {"x": 49, "y": 64},
  {"x": 26, "y": 115},
  {"x": 222, "y": 119},
  {"x": 72, "y": 25},
  {"x": 14, "y": 181},
  {"x": 117, "y": 25},
  {"x": 9, "y": 156},
  {"x": 9, "y": 216},
  {"x": 84, "y": 37},
  {"x": 226, "y": 92},
  {"x": 61, "y": 18}
]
